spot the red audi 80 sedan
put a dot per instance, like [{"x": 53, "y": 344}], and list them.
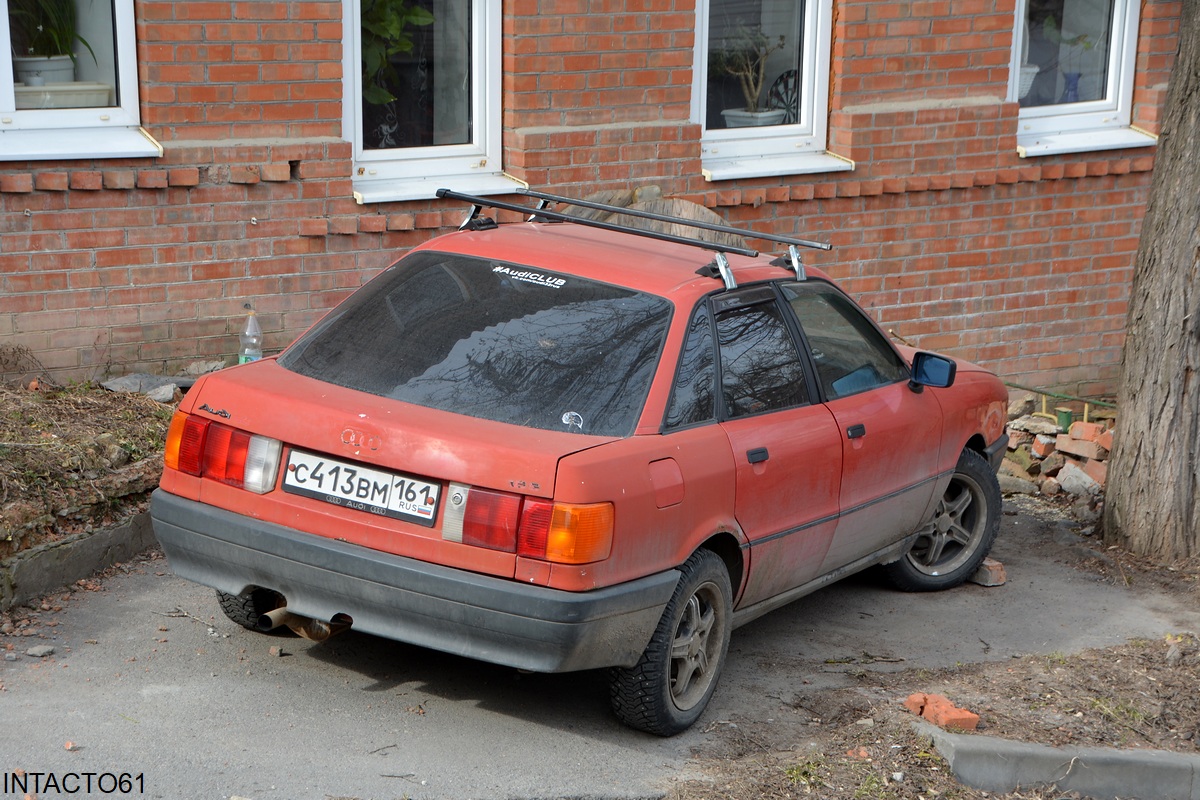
[{"x": 563, "y": 444}]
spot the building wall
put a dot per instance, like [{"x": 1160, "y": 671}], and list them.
[{"x": 952, "y": 240}]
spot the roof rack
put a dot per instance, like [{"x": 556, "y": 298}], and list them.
[{"x": 720, "y": 265}]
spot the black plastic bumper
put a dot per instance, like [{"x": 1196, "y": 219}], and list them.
[
  {"x": 994, "y": 452},
  {"x": 479, "y": 616}
]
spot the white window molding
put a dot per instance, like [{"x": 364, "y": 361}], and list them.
[
  {"x": 1098, "y": 46},
  {"x": 95, "y": 115},
  {"x": 472, "y": 163},
  {"x": 797, "y": 147}
]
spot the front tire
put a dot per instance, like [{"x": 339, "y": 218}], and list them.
[
  {"x": 951, "y": 547},
  {"x": 673, "y": 681}
]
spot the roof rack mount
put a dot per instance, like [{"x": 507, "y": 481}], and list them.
[{"x": 542, "y": 211}]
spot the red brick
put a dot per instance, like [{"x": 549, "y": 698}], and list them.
[
  {"x": 122, "y": 179},
  {"x": 184, "y": 176},
  {"x": 90, "y": 181},
  {"x": 243, "y": 173},
  {"x": 941, "y": 712},
  {"x": 314, "y": 227},
  {"x": 1105, "y": 440},
  {"x": 152, "y": 179},
  {"x": 17, "y": 184},
  {"x": 401, "y": 222},
  {"x": 343, "y": 225},
  {"x": 1098, "y": 470},
  {"x": 51, "y": 181},
  {"x": 276, "y": 172},
  {"x": 1085, "y": 431},
  {"x": 1075, "y": 447},
  {"x": 372, "y": 223},
  {"x": 1042, "y": 445},
  {"x": 990, "y": 573}
]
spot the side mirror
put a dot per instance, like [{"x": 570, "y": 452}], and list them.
[{"x": 930, "y": 369}]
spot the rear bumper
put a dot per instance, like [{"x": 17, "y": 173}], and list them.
[{"x": 479, "y": 616}]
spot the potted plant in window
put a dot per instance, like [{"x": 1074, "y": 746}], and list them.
[
  {"x": 746, "y": 59},
  {"x": 44, "y": 33},
  {"x": 385, "y": 35}
]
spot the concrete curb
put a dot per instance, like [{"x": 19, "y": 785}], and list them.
[
  {"x": 1002, "y": 765},
  {"x": 48, "y": 567}
]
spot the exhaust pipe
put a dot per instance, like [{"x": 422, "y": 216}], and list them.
[{"x": 314, "y": 630}]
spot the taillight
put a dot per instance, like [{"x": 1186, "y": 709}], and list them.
[
  {"x": 211, "y": 450},
  {"x": 565, "y": 533}
]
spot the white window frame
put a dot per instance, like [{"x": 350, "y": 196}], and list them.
[
  {"x": 417, "y": 173},
  {"x": 66, "y": 133},
  {"x": 1086, "y": 126},
  {"x": 732, "y": 153}
]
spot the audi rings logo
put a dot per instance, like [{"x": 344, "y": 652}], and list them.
[{"x": 356, "y": 438}]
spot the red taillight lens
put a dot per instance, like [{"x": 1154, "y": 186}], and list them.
[
  {"x": 490, "y": 520},
  {"x": 535, "y": 527},
  {"x": 198, "y": 446},
  {"x": 225, "y": 454}
]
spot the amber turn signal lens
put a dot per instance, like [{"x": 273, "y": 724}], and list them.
[{"x": 580, "y": 534}]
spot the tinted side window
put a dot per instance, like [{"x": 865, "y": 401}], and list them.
[
  {"x": 692, "y": 399},
  {"x": 760, "y": 366},
  {"x": 850, "y": 354},
  {"x": 493, "y": 340}
]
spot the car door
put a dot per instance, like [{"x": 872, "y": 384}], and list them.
[
  {"x": 888, "y": 433},
  {"x": 787, "y": 449}
]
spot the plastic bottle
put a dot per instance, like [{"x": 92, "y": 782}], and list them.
[{"x": 250, "y": 339}]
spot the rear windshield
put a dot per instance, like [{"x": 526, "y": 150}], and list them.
[{"x": 493, "y": 340}]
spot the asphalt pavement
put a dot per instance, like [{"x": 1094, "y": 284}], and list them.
[{"x": 150, "y": 681}]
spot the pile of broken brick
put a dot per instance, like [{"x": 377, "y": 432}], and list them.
[{"x": 1043, "y": 458}]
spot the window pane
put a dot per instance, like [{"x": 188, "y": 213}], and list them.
[
  {"x": 760, "y": 368},
  {"x": 416, "y": 57},
  {"x": 63, "y": 53},
  {"x": 494, "y": 341},
  {"x": 1068, "y": 42},
  {"x": 850, "y": 353},
  {"x": 692, "y": 399},
  {"x": 754, "y": 49}
]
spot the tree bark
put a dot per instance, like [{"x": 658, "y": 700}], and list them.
[{"x": 1152, "y": 506}]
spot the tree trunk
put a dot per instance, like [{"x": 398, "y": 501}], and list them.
[{"x": 1152, "y": 505}]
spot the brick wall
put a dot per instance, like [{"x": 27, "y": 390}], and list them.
[{"x": 953, "y": 241}]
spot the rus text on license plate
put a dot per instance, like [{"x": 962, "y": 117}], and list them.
[{"x": 354, "y": 486}]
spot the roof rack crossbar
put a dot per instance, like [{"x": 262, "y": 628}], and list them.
[
  {"x": 708, "y": 226},
  {"x": 592, "y": 223}
]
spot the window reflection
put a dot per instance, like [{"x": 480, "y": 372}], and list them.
[
  {"x": 1065, "y": 51},
  {"x": 760, "y": 367}
]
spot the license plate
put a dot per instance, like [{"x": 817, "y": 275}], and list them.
[{"x": 388, "y": 494}]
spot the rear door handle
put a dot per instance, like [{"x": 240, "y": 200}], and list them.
[
  {"x": 757, "y": 455},
  {"x": 856, "y": 431}
]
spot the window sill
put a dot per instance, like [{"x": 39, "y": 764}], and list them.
[
  {"x": 385, "y": 191},
  {"x": 55, "y": 145},
  {"x": 1050, "y": 144},
  {"x": 768, "y": 166}
]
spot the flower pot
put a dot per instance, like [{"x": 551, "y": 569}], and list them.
[
  {"x": 741, "y": 118},
  {"x": 1070, "y": 87},
  {"x": 40, "y": 70}
]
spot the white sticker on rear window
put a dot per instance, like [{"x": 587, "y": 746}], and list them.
[{"x": 530, "y": 276}]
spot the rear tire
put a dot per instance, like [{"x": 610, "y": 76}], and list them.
[
  {"x": 951, "y": 547},
  {"x": 246, "y": 608},
  {"x": 673, "y": 681}
]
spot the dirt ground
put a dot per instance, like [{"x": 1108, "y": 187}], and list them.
[
  {"x": 71, "y": 457},
  {"x": 858, "y": 743}
]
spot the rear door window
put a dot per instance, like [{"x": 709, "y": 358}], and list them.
[
  {"x": 761, "y": 368},
  {"x": 493, "y": 340}
]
